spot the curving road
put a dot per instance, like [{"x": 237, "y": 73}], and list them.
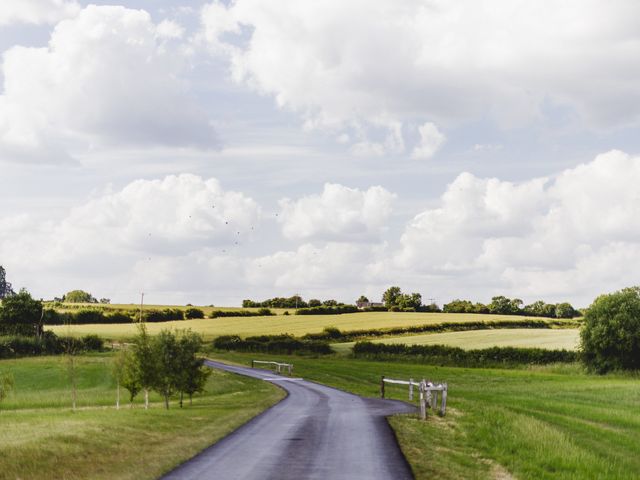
[{"x": 316, "y": 432}]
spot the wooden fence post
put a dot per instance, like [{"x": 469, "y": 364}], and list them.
[
  {"x": 443, "y": 402},
  {"x": 423, "y": 407},
  {"x": 290, "y": 368},
  {"x": 252, "y": 364},
  {"x": 382, "y": 387},
  {"x": 410, "y": 389}
]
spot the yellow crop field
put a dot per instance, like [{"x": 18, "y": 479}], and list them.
[
  {"x": 477, "y": 339},
  {"x": 293, "y": 324}
]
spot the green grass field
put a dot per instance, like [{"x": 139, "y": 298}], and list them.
[
  {"x": 475, "y": 339},
  {"x": 552, "y": 422},
  {"x": 293, "y": 324},
  {"x": 42, "y": 438}
]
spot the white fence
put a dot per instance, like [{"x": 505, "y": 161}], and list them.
[
  {"x": 278, "y": 366},
  {"x": 428, "y": 393}
]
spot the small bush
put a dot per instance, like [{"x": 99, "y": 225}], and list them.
[
  {"x": 190, "y": 313},
  {"x": 92, "y": 343}
]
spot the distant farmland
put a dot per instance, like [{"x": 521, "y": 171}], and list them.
[
  {"x": 477, "y": 339},
  {"x": 294, "y": 324}
]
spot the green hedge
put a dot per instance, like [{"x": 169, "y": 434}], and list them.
[
  {"x": 325, "y": 310},
  {"x": 285, "y": 344},
  {"x": 12, "y": 346},
  {"x": 263, "y": 312},
  {"x": 445, "y": 355}
]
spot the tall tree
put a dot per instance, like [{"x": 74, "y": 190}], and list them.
[
  {"x": 145, "y": 360},
  {"x": 390, "y": 296},
  {"x": 20, "y": 314},
  {"x": 5, "y": 287}
]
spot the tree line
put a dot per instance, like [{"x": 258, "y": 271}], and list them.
[{"x": 501, "y": 305}]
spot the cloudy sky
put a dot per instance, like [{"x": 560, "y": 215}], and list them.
[{"x": 207, "y": 152}]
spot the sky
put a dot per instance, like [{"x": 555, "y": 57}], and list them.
[{"x": 209, "y": 151}]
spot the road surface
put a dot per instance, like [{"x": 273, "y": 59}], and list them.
[{"x": 316, "y": 432}]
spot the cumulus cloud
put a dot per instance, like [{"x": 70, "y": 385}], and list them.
[
  {"x": 340, "y": 64},
  {"x": 36, "y": 11},
  {"x": 107, "y": 77},
  {"x": 316, "y": 268},
  {"x": 172, "y": 217},
  {"x": 570, "y": 234},
  {"x": 338, "y": 213},
  {"x": 431, "y": 139}
]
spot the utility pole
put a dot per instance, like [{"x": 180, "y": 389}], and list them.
[{"x": 141, "y": 302}]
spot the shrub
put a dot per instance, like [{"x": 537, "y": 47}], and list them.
[
  {"x": 92, "y": 343},
  {"x": 611, "y": 333},
  {"x": 190, "y": 313}
]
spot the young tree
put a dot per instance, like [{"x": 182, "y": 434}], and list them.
[
  {"x": 145, "y": 360},
  {"x": 610, "y": 336},
  {"x": 167, "y": 353},
  {"x": 5, "y": 287},
  {"x": 192, "y": 374},
  {"x": 130, "y": 374},
  {"x": 20, "y": 314},
  {"x": 6, "y": 385}
]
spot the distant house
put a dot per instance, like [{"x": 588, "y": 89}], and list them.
[{"x": 363, "y": 305}]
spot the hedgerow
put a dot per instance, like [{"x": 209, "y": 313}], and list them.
[
  {"x": 283, "y": 344},
  {"x": 454, "y": 356}
]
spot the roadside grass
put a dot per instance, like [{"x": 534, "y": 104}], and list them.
[
  {"x": 477, "y": 339},
  {"x": 552, "y": 422},
  {"x": 42, "y": 438},
  {"x": 297, "y": 325}
]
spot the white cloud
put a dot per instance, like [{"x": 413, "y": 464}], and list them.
[
  {"x": 170, "y": 29},
  {"x": 106, "y": 78},
  {"x": 36, "y": 11},
  {"x": 313, "y": 269},
  {"x": 569, "y": 235},
  {"x": 431, "y": 139},
  {"x": 340, "y": 64},
  {"x": 338, "y": 213},
  {"x": 172, "y": 217}
]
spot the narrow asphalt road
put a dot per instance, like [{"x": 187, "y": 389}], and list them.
[{"x": 316, "y": 432}]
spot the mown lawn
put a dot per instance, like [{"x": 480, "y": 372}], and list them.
[
  {"x": 475, "y": 339},
  {"x": 552, "y": 422},
  {"x": 294, "y": 324},
  {"x": 42, "y": 438}
]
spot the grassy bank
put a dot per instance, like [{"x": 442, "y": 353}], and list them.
[
  {"x": 42, "y": 438},
  {"x": 474, "y": 339},
  {"x": 537, "y": 423},
  {"x": 297, "y": 325}
]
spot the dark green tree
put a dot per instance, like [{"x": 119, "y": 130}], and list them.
[
  {"x": 21, "y": 314},
  {"x": 362, "y": 299},
  {"x": 167, "y": 354},
  {"x": 79, "y": 296},
  {"x": 5, "y": 287},
  {"x": 390, "y": 296},
  {"x": 610, "y": 337},
  {"x": 144, "y": 357},
  {"x": 192, "y": 374}
]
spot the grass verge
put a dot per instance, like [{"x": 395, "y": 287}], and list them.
[{"x": 42, "y": 438}]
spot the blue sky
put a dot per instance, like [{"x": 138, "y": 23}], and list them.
[{"x": 206, "y": 152}]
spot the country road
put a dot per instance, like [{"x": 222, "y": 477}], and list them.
[{"x": 316, "y": 432}]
